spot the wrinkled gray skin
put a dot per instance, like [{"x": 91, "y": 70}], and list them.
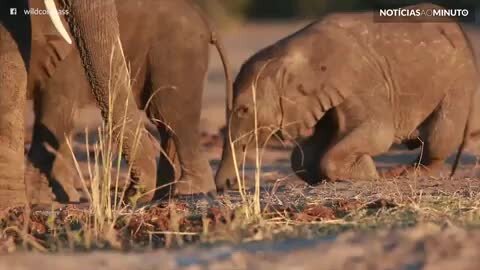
[
  {"x": 14, "y": 57},
  {"x": 166, "y": 44},
  {"x": 367, "y": 85},
  {"x": 94, "y": 28}
]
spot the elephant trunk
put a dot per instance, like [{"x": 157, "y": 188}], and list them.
[
  {"x": 94, "y": 25},
  {"x": 226, "y": 173}
]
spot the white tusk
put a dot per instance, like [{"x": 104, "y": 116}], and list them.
[{"x": 57, "y": 22}]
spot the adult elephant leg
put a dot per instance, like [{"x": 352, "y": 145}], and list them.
[
  {"x": 49, "y": 153},
  {"x": 57, "y": 98},
  {"x": 14, "y": 58},
  {"x": 177, "y": 103},
  {"x": 169, "y": 168},
  {"x": 95, "y": 28}
]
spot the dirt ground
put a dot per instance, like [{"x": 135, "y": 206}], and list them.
[
  {"x": 428, "y": 244},
  {"x": 424, "y": 247}
]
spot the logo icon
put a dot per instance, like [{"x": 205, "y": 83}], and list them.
[{"x": 13, "y": 11}]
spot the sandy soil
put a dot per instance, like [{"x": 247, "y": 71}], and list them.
[{"x": 423, "y": 247}]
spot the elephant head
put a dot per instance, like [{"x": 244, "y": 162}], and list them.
[
  {"x": 257, "y": 114},
  {"x": 250, "y": 121},
  {"x": 283, "y": 89}
]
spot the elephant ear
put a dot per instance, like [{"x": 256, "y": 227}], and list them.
[
  {"x": 57, "y": 49},
  {"x": 309, "y": 90},
  {"x": 49, "y": 48}
]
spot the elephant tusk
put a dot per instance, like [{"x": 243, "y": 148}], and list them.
[{"x": 57, "y": 22}]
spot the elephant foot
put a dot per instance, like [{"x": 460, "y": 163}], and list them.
[
  {"x": 37, "y": 187},
  {"x": 65, "y": 185},
  {"x": 413, "y": 170},
  {"x": 64, "y": 190},
  {"x": 198, "y": 179},
  {"x": 394, "y": 172},
  {"x": 190, "y": 186},
  {"x": 362, "y": 169},
  {"x": 138, "y": 195},
  {"x": 12, "y": 198},
  {"x": 12, "y": 185},
  {"x": 12, "y": 193},
  {"x": 67, "y": 192}
]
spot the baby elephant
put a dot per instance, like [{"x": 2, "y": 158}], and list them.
[{"x": 365, "y": 84}]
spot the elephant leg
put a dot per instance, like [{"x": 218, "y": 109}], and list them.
[
  {"x": 350, "y": 158},
  {"x": 13, "y": 79},
  {"x": 177, "y": 103},
  {"x": 49, "y": 153},
  {"x": 442, "y": 133},
  {"x": 304, "y": 157},
  {"x": 192, "y": 173},
  {"x": 169, "y": 168}
]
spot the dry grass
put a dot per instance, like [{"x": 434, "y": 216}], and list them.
[{"x": 287, "y": 212}]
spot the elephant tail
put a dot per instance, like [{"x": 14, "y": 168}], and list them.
[
  {"x": 466, "y": 133},
  {"x": 227, "y": 71},
  {"x": 468, "y": 125},
  {"x": 216, "y": 41}
]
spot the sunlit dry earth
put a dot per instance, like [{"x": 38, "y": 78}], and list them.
[{"x": 386, "y": 224}]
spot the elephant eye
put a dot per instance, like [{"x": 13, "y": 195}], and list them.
[{"x": 242, "y": 111}]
